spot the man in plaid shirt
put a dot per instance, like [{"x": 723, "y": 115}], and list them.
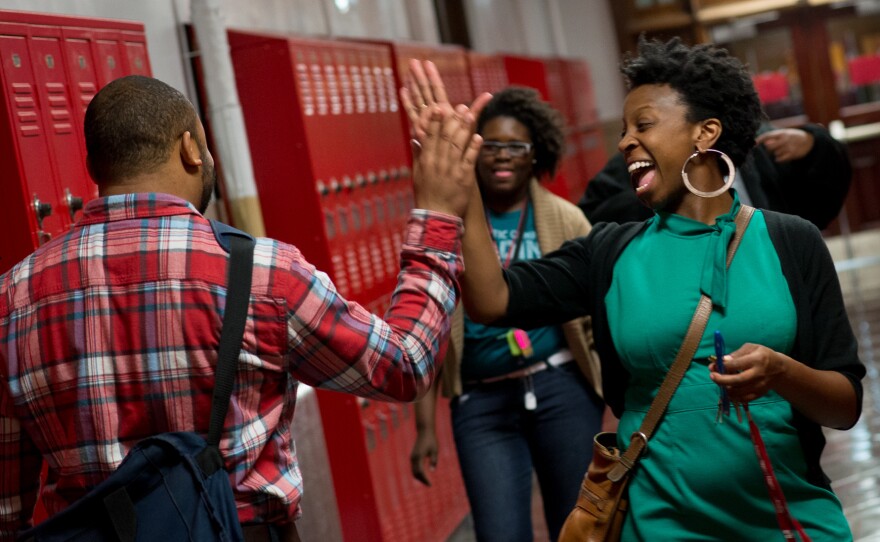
[{"x": 109, "y": 334}]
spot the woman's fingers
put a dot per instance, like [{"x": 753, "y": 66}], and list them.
[{"x": 436, "y": 91}]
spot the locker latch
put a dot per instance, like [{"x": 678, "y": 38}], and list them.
[
  {"x": 74, "y": 204},
  {"x": 42, "y": 210}
]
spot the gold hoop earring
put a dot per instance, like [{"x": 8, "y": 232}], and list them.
[{"x": 731, "y": 175}]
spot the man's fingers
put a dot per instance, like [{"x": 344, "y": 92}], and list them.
[
  {"x": 416, "y": 149},
  {"x": 433, "y": 122},
  {"x": 460, "y": 136},
  {"x": 412, "y": 110},
  {"x": 469, "y": 159}
]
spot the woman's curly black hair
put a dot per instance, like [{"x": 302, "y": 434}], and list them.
[
  {"x": 712, "y": 84},
  {"x": 543, "y": 122}
]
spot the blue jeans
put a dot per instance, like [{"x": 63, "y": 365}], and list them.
[{"x": 499, "y": 443}]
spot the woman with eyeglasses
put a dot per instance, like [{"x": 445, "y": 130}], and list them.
[{"x": 523, "y": 401}]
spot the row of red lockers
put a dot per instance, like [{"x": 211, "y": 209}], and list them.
[
  {"x": 330, "y": 148},
  {"x": 345, "y": 139}
]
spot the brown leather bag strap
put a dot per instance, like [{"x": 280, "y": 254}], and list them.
[{"x": 639, "y": 440}]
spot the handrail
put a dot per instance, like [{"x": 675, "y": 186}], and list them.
[{"x": 852, "y": 134}]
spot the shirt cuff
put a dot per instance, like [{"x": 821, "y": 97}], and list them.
[{"x": 434, "y": 230}]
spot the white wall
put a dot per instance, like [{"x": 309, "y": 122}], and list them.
[
  {"x": 387, "y": 19},
  {"x": 588, "y": 31},
  {"x": 514, "y": 26},
  {"x": 530, "y": 27}
]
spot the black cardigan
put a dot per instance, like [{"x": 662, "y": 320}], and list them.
[{"x": 574, "y": 280}]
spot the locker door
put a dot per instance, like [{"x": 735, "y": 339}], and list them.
[
  {"x": 109, "y": 58},
  {"x": 39, "y": 187},
  {"x": 136, "y": 57},
  {"x": 82, "y": 85},
  {"x": 64, "y": 138}
]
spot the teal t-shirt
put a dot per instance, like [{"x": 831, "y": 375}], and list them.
[{"x": 486, "y": 351}]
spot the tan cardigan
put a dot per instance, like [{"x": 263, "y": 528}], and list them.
[{"x": 556, "y": 221}]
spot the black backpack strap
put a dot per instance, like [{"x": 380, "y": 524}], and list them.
[{"x": 241, "y": 262}]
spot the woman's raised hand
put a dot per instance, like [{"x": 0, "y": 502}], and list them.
[{"x": 425, "y": 89}]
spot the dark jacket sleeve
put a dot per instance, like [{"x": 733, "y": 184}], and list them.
[
  {"x": 549, "y": 290},
  {"x": 814, "y": 187},
  {"x": 609, "y": 196},
  {"x": 825, "y": 339}
]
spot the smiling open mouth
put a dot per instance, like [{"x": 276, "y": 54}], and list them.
[{"x": 641, "y": 175}]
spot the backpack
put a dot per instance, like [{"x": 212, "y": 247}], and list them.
[{"x": 172, "y": 486}]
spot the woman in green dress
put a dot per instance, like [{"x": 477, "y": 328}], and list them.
[{"x": 691, "y": 113}]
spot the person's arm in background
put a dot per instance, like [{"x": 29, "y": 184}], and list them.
[
  {"x": 811, "y": 172},
  {"x": 610, "y": 197},
  {"x": 426, "y": 445}
]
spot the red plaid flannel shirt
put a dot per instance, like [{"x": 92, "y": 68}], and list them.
[{"x": 109, "y": 334}]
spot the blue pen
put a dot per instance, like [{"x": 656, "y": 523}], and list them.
[
  {"x": 719, "y": 351},
  {"x": 724, "y": 407}
]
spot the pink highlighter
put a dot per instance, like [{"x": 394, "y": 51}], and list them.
[{"x": 523, "y": 342}]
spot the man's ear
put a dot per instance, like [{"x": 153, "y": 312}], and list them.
[
  {"x": 189, "y": 150},
  {"x": 709, "y": 130}
]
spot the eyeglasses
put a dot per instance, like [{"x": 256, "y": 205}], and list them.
[{"x": 515, "y": 149}]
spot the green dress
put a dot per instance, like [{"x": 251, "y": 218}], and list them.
[{"x": 700, "y": 480}]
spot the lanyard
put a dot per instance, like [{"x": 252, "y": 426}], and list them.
[
  {"x": 514, "y": 247},
  {"x": 787, "y": 523}
]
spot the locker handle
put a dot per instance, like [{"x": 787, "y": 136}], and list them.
[
  {"x": 74, "y": 204},
  {"x": 42, "y": 210}
]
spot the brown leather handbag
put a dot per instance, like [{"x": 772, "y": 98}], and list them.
[{"x": 602, "y": 503}]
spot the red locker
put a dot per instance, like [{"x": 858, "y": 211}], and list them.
[
  {"x": 586, "y": 130},
  {"x": 46, "y": 82},
  {"x": 582, "y": 97},
  {"x": 451, "y": 62},
  {"x": 566, "y": 84},
  {"x": 534, "y": 72},
  {"x": 487, "y": 72},
  {"x": 331, "y": 160},
  {"x": 49, "y": 75}
]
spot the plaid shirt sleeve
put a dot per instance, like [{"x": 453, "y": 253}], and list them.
[
  {"x": 21, "y": 470},
  {"x": 336, "y": 344}
]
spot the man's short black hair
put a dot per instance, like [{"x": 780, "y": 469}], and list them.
[
  {"x": 712, "y": 84},
  {"x": 131, "y": 126},
  {"x": 543, "y": 122}
]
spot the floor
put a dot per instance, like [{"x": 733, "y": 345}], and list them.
[{"x": 851, "y": 458}]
